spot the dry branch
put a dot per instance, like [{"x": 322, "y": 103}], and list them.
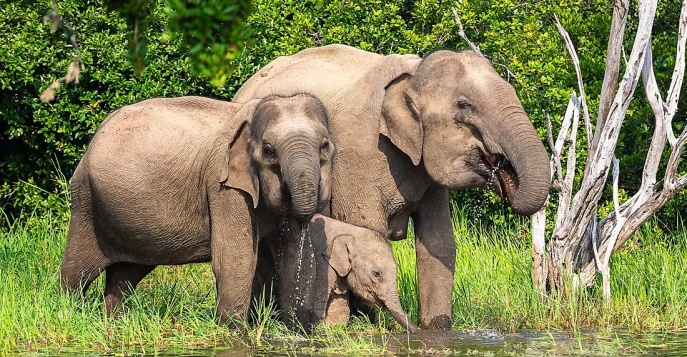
[
  {"x": 580, "y": 83},
  {"x": 613, "y": 52},
  {"x": 461, "y": 33}
]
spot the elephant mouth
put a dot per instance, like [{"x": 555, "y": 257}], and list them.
[{"x": 498, "y": 173}]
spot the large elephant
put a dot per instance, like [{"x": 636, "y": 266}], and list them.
[
  {"x": 407, "y": 130},
  {"x": 191, "y": 179},
  {"x": 314, "y": 270}
]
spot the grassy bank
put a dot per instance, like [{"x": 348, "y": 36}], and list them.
[{"x": 174, "y": 306}]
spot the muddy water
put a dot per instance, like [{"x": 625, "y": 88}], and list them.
[{"x": 474, "y": 343}]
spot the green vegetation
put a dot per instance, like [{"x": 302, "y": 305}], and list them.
[
  {"x": 37, "y": 137},
  {"x": 173, "y": 308}
]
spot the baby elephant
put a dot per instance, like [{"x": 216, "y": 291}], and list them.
[
  {"x": 322, "y": 260},
  {"x": 191, "y": 179}
]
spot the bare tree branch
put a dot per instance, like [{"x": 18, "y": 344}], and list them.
[
  {"x": 572, "y": 114},
  {"x": 678, "y": 74},
  {"x": 539, "y": 265},
  {"x": 580, "y": 83},
  {"x": 615, "y": 43},
  {"x": 595, "y": 175},
  {"x": 580, "y": 247},
  {"x": 461, "y": 33},
  {"x": 555, "y": 153},
  {"x": 578, "y": 243}
]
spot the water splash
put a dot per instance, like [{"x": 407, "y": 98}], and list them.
[
  {"x": 304, "y": 234},
  {"x": 492, "y": 180},
  {"x": 284, "y": 235}
]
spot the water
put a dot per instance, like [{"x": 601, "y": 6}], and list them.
[
  {"x": 303, "y": 236},
  {"x": 466, "y": 343}
]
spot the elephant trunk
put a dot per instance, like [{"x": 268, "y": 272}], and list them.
[
  {"x": 525, "y": 184},
  {"x": 301, "y": 173},
  {"x": 393, "y": 304}
]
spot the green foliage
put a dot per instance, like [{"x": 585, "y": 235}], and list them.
[
  {"x": 35, "y": 136},
  {"x": 214, "y": 32},
  {"x": 211, "y": 30},
  {"x": 137, "y": 15},
  {"x": 519, "y": 38}
]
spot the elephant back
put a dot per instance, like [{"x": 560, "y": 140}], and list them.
[{"x": 321, "y": 71}]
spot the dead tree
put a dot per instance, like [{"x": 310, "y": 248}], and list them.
[{"x": 580, "y": 246}]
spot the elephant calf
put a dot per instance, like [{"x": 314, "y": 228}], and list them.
[
  {"x": 191, "y": 179},
  {"x": 313, "y": 271}
]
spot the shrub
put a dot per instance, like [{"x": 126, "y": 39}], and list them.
[{"x": 34, "y": 136}]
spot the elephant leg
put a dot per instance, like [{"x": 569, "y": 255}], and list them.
[
  {"x": 234, "y": 251},
  {"x": 234, "y": 266},
  {"x": 83, "y": 260},
  {"x": 121, "y": 278},
  {"x": 263, "y": 290},
  {"x": 338, "y": 311},
  {"x": 435, "y": 250}
]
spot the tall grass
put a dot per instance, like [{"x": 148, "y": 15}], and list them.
[
  {"x": 174, "y": 306},
  {"x": 493, "y": 286}
]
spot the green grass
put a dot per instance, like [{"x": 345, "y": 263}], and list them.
[
  {"x": 493, "y": 286},
  {"x": 173, "y": 308}
]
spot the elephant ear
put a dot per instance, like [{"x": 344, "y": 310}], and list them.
[
  {"x": 400, "y": 120},
  {"x": 340, "y": 255},
  {"x": 237, "y": 170}
]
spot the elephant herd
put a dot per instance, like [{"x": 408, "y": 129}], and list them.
[{"x": 296, "y": 186}]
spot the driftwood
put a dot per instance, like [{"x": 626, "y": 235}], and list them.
[{"x": 580, "y": 246}]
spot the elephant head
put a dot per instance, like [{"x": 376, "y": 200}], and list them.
[
  {"x": 469, "y": 129},
  {"x": 284, "y": 153},
  {"x": 366, "y": 263}
]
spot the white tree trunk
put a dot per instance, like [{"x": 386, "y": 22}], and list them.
[{"x": 580, "y": 247}]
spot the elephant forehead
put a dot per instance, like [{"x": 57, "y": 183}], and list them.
[
  {"x": 378, "y": 254},
  {"x": 290, "y": 125}
]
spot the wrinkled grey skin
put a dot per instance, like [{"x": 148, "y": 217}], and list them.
[
  {"x": 407, "y": 130},
  {"x": 191, "y": 179},
  {"x": 323, "y": 260}
]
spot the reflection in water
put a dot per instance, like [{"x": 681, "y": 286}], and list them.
[{"x": 473, "y": 343}]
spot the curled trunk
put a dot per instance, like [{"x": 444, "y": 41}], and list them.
[{"x": 529, "y": 161}]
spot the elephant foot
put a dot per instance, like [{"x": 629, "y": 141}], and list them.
[
  {"x": 441, "y": 322},
  {"x": 114, "y": 307}
]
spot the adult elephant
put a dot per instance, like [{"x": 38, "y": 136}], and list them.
[{"x": 407, "y": 130}]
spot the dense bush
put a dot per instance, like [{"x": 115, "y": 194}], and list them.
[
  {"x": 39, "y": 138},
  {"x": 520, "y": 37}
]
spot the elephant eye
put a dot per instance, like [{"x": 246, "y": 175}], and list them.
[
  {"x": 463, "y": 103},
  {"x": 324, "y": 151},
  {"x": 268, "y": 151},
  {"x": 325, "y": 145},
  {"x": 377, "y": 274}
]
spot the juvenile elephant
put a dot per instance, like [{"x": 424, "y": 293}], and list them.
[
  {"x": 315, "y": 269},
  {"x": 191, "y": 179},
  {"x": 407, "y": 130}
]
